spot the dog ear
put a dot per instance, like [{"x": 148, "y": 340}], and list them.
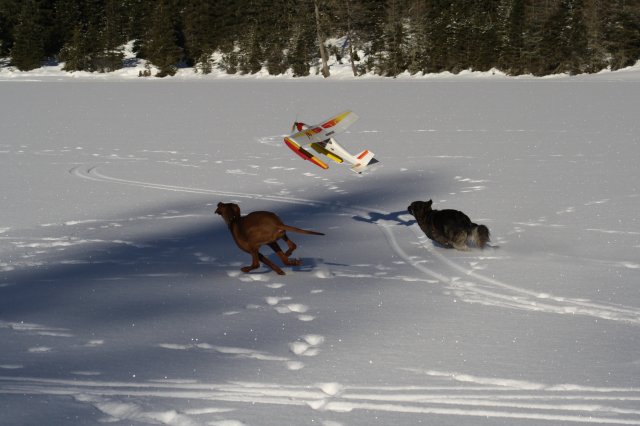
[
  {"x": 236, "y": 209},
  {"x": 429, "y": 203}
]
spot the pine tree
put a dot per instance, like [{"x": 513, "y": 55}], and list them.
[
  {"x": 622, "y": 35},
  {"x": 393, "y": 61},
  {"x": 111, "y": 38},
  {"x": 512, "y": 32},
  {"x": 160, "y": 43},
  {"x": 418, "y": 38},
  {"x": 77, "y": 53},
  {"x": 439, "y": 19},
  {"x": 9, "y": 11},
  {"x": 27, "y": 52},
  {"x": 250, "y": 51},
  {"x": 200, "y": 27},
  {"x": 485, "y": 46},
  {"x": 299, "y": 53},
  {"x": 564, "y": 45}
]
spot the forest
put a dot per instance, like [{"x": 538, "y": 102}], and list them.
[{"x": 384, "y": 37}]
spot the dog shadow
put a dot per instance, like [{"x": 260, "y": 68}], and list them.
[
  {"x": 374, "y": 218},
  {"x": 397, "y": 217}
]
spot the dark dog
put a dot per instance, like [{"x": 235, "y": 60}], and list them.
[
  {"x": 257, "y": 229},
  {"x": 451, "y": 228}
]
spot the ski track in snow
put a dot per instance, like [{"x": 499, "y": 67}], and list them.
[
  {"x": 466, "y": 283},
  {"x": 447, "y": 394}
]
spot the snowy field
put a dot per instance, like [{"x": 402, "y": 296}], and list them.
[{"x": 122, "y": 302}]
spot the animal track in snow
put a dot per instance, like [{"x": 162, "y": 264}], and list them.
[
  {"x": 39, "y": 349},
  {"x": 275, "y": 286},
  {"x": 307, "y": 345},
  {"x": 298, "y": 308},
  {"x": 272, "y": 300}
]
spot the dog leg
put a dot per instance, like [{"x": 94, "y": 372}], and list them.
[
  {"x": 254, "y": 262},
  {"x": 284, "y": 256},
  {"x": 462, "y": 247},
  {"x": 460, "y": 241},
  {"x": 270, "y": 264},
  {"x": 291, "y": 244}
]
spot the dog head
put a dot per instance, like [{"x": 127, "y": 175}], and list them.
[
  {"x": 228, "y": 211},
  {"x": 420, "y": 208}
]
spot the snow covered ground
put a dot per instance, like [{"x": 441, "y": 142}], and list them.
[{"x": 121, "y": 299}]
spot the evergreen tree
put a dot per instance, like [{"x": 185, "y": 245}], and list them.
[
  {"x": 96, "y": 42},
  {"x": 300, "y": 51},
  {"x": 512, "y": 31},
  {"x": 485, "y": 45},
  {"x": 111, "y": 38},
  {"x": 393, "y": 61},
  {"x": 439, "y": 18},
  {"x": 77, "y": 54},
  {"x": 200, "y": 25},
  {"x": 9, "y": 11},
  {"x": 564, "y": 44},
  {"x": 418, "y": 38},
  {"x": 27, "y": 52},
  {"x": 250, "y": 57},
  {"x": 622, "y": 35},
  {"x": 160, "y": 44}
]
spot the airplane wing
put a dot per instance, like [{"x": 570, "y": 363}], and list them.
[{"x": 325, "y": 130}]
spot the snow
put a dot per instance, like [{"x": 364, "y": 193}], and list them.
[
  {"x": 339, "y": 70},
  {"x": 122, "y": 299}
]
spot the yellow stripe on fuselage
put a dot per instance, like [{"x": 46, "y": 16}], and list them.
[{"x": 324, "y": 151}]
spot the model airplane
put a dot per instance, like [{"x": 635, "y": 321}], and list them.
[{"x": 320, "y": 139}]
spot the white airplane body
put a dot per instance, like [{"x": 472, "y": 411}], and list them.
[{"x": 320, "y": 139}]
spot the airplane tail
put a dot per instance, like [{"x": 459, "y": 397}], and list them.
[{"x": 365, "y": 158}]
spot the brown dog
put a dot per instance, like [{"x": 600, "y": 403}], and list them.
[{"x": 257, "y": 229}]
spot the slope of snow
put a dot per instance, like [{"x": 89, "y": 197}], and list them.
[{"x": 122, "y": 300}]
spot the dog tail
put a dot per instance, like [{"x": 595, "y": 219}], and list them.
[
  {"x": 299, "y": 230},
  {"x": 479, "y": 235}
]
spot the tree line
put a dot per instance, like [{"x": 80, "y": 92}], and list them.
[{"x": 386, "y": 37}]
